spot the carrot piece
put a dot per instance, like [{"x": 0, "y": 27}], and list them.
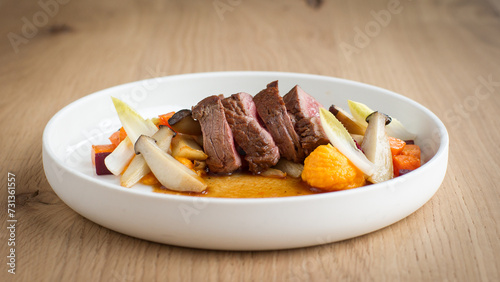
[
  {"x": 118, "y": 136},
  {"x": 99, "y": 153},
  {"x": 397, "y": 145},
  {"x": 123, "y": 134},
  {"x": 164, "y": 118},
  {"x": 106, "y": 148},
  {"x": 115, "y": 138},
  {"x": 408, "y": 162},
  {"x": 411, "y": 150}
]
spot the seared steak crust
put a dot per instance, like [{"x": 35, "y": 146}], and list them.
[
  {"x": 304, "y": 112},
  {"x": 218, "y": 141},
  {"x": 272, "y": 111},
  {"x": 260, "y": 150}
]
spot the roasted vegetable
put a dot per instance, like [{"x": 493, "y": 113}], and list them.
[
  {"x": 405, "y": 163},
  {"x": 347, "y": 120},
  {"x": 118, "y": 136},
  {"x": 185, "y": 147},
  {"x": 99, "y": 153},
  {"x": 342, "y": 140},
  {"x": 395, "y": 129},
  {"x": 117, "y": 161},
  {"x": 289, "y": 167},
  {"x": 132, "y": 122},
  {"x": 328, "y": 169},
  {"x": 183, "y": 122},
  {"x": 199, "y": 165},
  {"x": 397, "y": 145},
  {"x": 134, "y": 126},
  {"x": 272, "y": 172},
  {"x": 377, "y": 148},
  {"x": 170, "y": 173},
  {"x": 407, "y": 158},
  {"x": 138, "y": 168},
  {"x": 163, "y": 119},
  {"x": 411, "y": 150}
]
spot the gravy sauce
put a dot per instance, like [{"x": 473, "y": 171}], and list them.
[{"x": 241, "y": 185}]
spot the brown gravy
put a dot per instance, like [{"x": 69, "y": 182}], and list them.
[{"x": 241, "y": 185}]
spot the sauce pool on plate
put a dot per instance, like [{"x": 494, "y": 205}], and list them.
[{"x": 241, "y": 185}]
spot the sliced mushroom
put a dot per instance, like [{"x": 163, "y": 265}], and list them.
[
  {"x": 396, "y": 129},
  {"x": 183, "y": 122},
  {"x": 170, "y": 173},
  {"x": 185, "y": 147},
  {"x": 388, "y": 119},
  {"x": 289, "y": 167},
  {"x": 138, "y": 168},
  {"x": 357, "y": 138},
  {"x": 273, "y": 173},
  {"x": 377, "y": 148},
  {"x": 347, "y": 120},
  {"x": 199, "y": 165}
]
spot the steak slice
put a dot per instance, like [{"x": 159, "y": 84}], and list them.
[
  {"x": 272, "y": 111},
  {"x": 260, "y": 150},
  {"x": 218, "y": 141},
  {"x": 304, "y": 111}
]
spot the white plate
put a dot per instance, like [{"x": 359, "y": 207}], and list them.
[{"x": 234, "y": 224}]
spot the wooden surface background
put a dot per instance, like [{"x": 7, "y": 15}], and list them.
[{"x": 445, "y": 54}]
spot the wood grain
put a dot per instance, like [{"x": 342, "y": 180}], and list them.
[{"x": 439, "y": 53}]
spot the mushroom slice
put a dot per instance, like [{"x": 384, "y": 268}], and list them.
[
  {"x": 347, "y": 120},
  {"x": 185, "y": 147},
  {"x": 138, "y": 168},
  {"x": 289, "y": 167},
  {"x": 170, "y": 173},
  {"x": 182, "y": 121},
  {"x": 377, "y": 148},
  {"x": 273, "y": 173},
  {"x": 357, "y": 138},
  {"x": 396, "y": 129}
]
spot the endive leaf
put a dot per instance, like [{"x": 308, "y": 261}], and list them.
[{"x": 342, "y": 140}]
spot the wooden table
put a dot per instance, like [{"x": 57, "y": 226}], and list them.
[{"x": 443, "y": 54}]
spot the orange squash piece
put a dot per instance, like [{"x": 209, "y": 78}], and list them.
[{"x": 328, "y": 169}]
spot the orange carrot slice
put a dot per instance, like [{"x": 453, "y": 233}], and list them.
[
  {"x": 115, "y": 138},
  {"x": 118, "y": 136},
  {"x": 411, "y": 150},
  {"x": 99, "y": 153},
  {"x": 407, "y": 162},
  {"x": 164, "y": 118},
  {"x": 397, "y": 145}
]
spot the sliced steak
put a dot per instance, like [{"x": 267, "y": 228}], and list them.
[
  {"x": 272, "y": 111},
  {"x": 304, "y": 112},
  {"x": 260, "y": 150},
  {"x": 218, "y": 141}
]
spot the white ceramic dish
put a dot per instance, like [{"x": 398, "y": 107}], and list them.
[{"x": 234, "y": 224}]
